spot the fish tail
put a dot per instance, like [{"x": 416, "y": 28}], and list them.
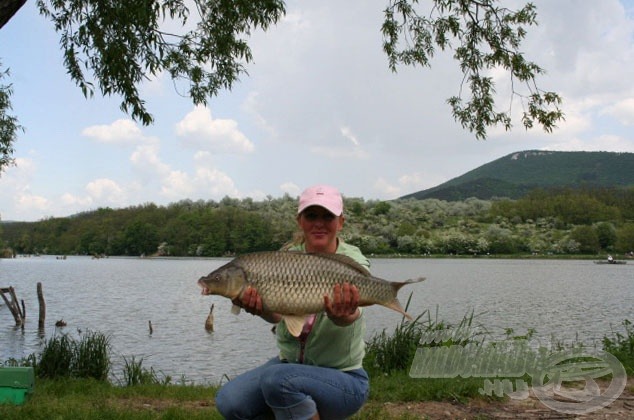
[
  {"x": 400, "y": 284},
  {"x": 395, "y": 304},
  {"x": 396, "y": 286}
]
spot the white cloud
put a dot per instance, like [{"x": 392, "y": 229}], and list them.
[
  {"x": 30, "y": 203},
  {"x": 386, "y": 189},
  {"x": 623, "y": 111},
  {"x": 415, "y": 181},
  {"x": 107, "y": 191},
  {"x": 148, "y": 163},
  {"x": 576, "y": 121},
  {"x": 216, "y": 183},
  {"x": 177, "y": 186},
  {"x": 406, "y": 184},
  {"x": 18, "y": 199},
  {"x": 339, "y": 153},
  {"x": 122, "y": 131},
  {"x": 205, "y": 181},
  {"x": 347, "y": 133},
  {"x": 201, "y": 130},
  {"x": 291, "y": 189},
  {"x": 250, "y": 106},
  {"x": 73, "y": 202},
  {"x": 202, "y": 157},
  {"x": 100, "y": 192},
  {"x": 603, "y": 143}
]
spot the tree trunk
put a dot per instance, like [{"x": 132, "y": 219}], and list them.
[{"x": 8, "y": 9}]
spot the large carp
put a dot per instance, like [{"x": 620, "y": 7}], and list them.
[{"x": 293, "y": 284}]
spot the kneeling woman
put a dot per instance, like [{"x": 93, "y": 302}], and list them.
[{"x": 319, "y": 373}]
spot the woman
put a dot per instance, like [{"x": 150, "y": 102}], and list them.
[{"x": 319, "y": 373}]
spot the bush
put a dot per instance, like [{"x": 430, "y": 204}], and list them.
[{"x": 64, "y": 356}]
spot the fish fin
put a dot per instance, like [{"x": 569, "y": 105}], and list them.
[
  {"x": 235, "y": 309},
  {"x": 396, "y": 305},
  {"x": 345, "y": 260},
  {"x": 294, "y": 324}
]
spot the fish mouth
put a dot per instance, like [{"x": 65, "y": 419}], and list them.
[{"x": 205, "y": 289}]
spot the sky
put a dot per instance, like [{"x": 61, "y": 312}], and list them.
[{"x": 319, "y": 105}]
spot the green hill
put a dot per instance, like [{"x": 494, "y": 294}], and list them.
[{"x": 517, "y": 173}]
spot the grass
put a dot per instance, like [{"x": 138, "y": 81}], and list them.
[
  {"x": 73, "y": 398},
  {"x": 70, "y": 380},
  {"x": 135, "y": 374},
  {"x": 621, "y": 345},
  {"x": 86, "y": 398}
]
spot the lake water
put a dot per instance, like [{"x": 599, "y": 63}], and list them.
[{"x": 565, "y": 299}]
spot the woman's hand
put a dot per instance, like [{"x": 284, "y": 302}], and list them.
[
  {"x": 344, "y": 308},
  {"x": 251, "y": 302}
]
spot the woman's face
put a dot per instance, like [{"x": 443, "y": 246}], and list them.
[{"x": 320, "y": 229}]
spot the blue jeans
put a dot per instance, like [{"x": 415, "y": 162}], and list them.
[{"x": 293, "y": 391}]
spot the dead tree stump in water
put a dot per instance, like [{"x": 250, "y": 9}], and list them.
[
  {"x": 209, "y": 322},
  {"x": 40, "y": 299},
  {"x": 19, "y": 314}
]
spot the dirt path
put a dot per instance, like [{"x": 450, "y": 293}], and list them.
[{"x": 530, "y": 408}]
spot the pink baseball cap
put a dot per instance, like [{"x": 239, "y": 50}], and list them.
[{"x": 324, "y": 196}]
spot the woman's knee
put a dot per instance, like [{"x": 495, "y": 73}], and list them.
[
  {"x": 225, "y": 402},
  {"x": 230, "y": 402},
  {"x": 272, "y": 378}
]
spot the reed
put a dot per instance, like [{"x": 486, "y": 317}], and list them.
[
  {"x": 91, "y": 358},
  {"x": 56, "y": 359},
  {"x": 387, "y": 353},
  {"x": 64, "y": 356},
  {"x": 135, "y": 374},
  {"x": 621, "y": 345}
]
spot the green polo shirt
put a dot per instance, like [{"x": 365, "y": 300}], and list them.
[{"x": 328, "y": 345}]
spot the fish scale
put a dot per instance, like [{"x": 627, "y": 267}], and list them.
[
  {"x": 298, "y": 282},
  {"x": 294, "y": 283}
]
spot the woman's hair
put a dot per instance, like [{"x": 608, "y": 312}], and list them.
[{"x": 297, "y": 239}]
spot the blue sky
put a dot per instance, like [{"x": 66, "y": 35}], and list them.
[{"x": 319, "y": 105}]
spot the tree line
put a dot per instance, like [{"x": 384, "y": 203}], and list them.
[{"x": 543, "y": 222}]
